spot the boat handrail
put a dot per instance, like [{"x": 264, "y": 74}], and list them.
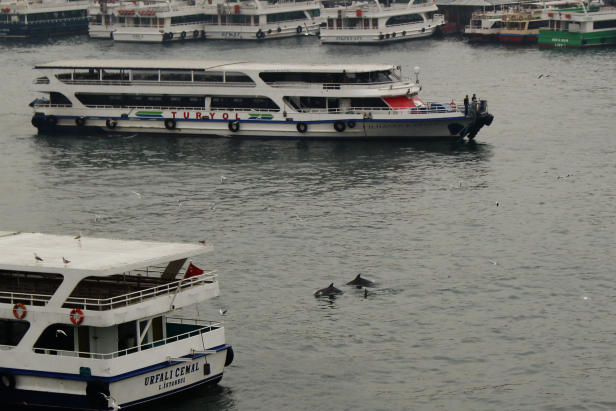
[
  {"x": 24, "y": 298},
  {"x": 211, "y": 325},
  {"x": 41, "y": 21},
  {"x": 154, "y": 83},
  {"x": 52, "y": 5},
  {"x": 285, "y": 4},
  {"x": 405, "y": 82},
  {"x": 124, "y": 300}
]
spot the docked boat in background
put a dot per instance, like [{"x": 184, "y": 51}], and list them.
[
  {"x": 523, "y": 25},
  {"x": 43, "y": 18},
  {"x": 374, "y": 22},
  {"x": 181, "y": 20},
  {"x": 246, "y": 100},
  {"x": 579, "y": 27},
  {"x": 87, "y": 322},
  {"x": 484, "y": 26}
]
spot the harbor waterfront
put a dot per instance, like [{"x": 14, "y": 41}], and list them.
[{"x": 443, "y": 327}]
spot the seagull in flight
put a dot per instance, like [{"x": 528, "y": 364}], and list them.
[
  {"x": 269, "y": 209},
  {"x": 496, "y": 204},
  {"x": 179, "y": 203},
  {"x": 203, "y": 242},
  {"x": 493, "y": 262},
  {"x": 65, "y": 261},
  {"x": 223, "y": 312},
  {"x": 137, "y": 194},
  {"x": 58, "y": 332},
  {"x": 298, "y": 217},
  {"x": 114, "y": 406},
  {"x": 37, "y": 258},
  {"x": 96, "y": 218},
  {"x": 212, "y": 207},
  {"x": 222, "y": 178},
  {"x": 78, "y": 237},
  {"x": 131, "y": 230}
]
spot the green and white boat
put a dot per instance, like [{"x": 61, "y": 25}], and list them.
[{"x": 581, "y": 26}]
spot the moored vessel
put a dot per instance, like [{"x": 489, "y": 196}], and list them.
[
  {"x": 374, "y": 22},
  {"x": 580, "y": 26},
  {"x": 484, "y": 26},
  {"x": 88, "y": 322},
  {"x": 247, "y": 100},
  {"x": 43, "y": 18}
]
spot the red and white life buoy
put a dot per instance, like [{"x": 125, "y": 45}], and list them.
[
  {"x": 19, "y": 311},
  {"x": 77, "y": 316},
  {"x": 453, "y": 104}
]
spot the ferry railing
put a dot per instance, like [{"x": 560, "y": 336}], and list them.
[
  {"x": 136, "y": 297},
  {"x": 283, "y": 4},
  {"x": 336, "y": 86},
  {"x": 387, "y": 110},
  {"x": 45, "y": 21},
  {"x": 24, "y": 298},
  {"x": 206, "y": 326},
  {"x": 41, "y": 80},
  {"x": 153, "y": 83},
  {"x": 51, "y": 5}
]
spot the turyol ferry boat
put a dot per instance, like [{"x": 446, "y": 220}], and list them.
[
  {"x": 43, "y": 18},
  {"x": 247, "y": 100},
  {"x": 580, "y": 26},
  {"x": 211, "y": 19},
  {"x": 87, "y": 323},
  {"x": 374, "y": 22},
  {"x": 485, "y": 26}
]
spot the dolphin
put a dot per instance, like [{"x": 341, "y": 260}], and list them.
[
  {"x": 361, "y": 282},
  {"x": 331, "y": 290}
]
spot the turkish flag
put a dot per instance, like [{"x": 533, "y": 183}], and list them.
[{"x": 192, "y": 271}]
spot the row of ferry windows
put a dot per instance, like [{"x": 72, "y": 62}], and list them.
[
  {"x": 31, "y": 18},
  {"x": 365, "y": 22},
  {"x": 224, "y": 19}
]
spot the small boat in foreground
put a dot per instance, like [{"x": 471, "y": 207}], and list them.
[
  {"x": 246, "y": 100},
  {"x": 88, "y": 322}
]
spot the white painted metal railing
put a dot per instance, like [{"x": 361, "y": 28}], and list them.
[
  {"x": 205, "y": 326},
  {"x": 336, "y": 86},
  {"x": 24, "y": 298},
  {"x": 140, "y": 296},
  {"x": 153, "y": 83}
]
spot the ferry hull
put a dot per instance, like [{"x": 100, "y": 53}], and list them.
[
  {"x": 39, "y": 29},
  {"x": 482, "y": 38},
  {"x": 450, "y": 128},
  {"x": 374, "y": 36},
  {"x": 518, "y": 38},
  {"x": 51, "y": 390},
  {"x": 565, "y": 39}
]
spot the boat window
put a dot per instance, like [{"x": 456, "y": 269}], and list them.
[
  {"x": 192, "y": 18},
  {"x": 91, "y": 74},
  {"x": 115, "y": 75},
  {"x": 132, "y": 100},
  {"x": 292, "y": 15},
  {"x": 175, "y": 76},
  {"x": 533, "y": 25},
  {"x": 314, "y": 13},
  {"x": 68, "y": 14},
  {"x": 404, "y": 19},
  {"x": 59, "y": 98},
  {"x": 414, "y": 1},
  {"x": 209, "y": 76},
  {"x": 234, "y": 77},
  {"x": 496, "y": 25},
  {"x": 12, "y": 331},
  {"x": 313, "y": 102},
  {"x": 54, "y": 338},
  {"x": 607, "y": 24},
  {"x": 149, "y": 75},
  {"x": 244, "y": 103},
  {"x": 34, "y": 288},
  {"x": 368, "y": 102}
]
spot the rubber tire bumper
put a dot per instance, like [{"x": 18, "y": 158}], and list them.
[
  {"x": 111, "y": 123},
  {"x": 234, "y": 126},
  {"x": 230, "y": 357},
  {"x": 339, "y": 126},
  {"x": 170, "y": 124},
  {"x": 7, "y": 380},
  {"x": 302, "y": 127}
]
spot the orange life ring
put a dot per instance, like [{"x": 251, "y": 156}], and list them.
[
  {"x": 19, "y": 311},
  {"x": 77, "y": 316},
  {"x": 453, "y": 104}
]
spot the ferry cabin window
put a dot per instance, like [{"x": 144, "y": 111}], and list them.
[
  {"x": 314, "y": 13},
  {"x": 292, "y": 15},
  {"x": 132, "y": 100},
  {"x": 534, "y": 25},
  {"x": 404, "y": 19},
  {"x": 59, "y": 98},
  {"x": 238, "y": 19},
  {"x": 115, "y": 75},
  {"x": 91, "y": 74},
  {"x": 69, "y": 14},
  {"x": 175, "y": 76},
  {"x": 149, "y": 75},
  {"x": 193, "y": 18},
  {"x": 496, "y": 25},
  {"x": 607, "y": 24},
  {"x": 243, "y": 103},
  {"x": 12, "y": 331},
  {"x": 235, "y": 77},
  {"x": 12, "y": 18},
  {"x": 209, "y": 77}
]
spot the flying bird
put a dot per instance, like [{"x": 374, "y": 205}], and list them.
[
  {"x": 37, "y": 258},
  {"x": 496, "y": 204},
  {"x": 493, "y": 262},
  {"x": 179, "y": 203},
  {"x": 65, "y": 261},
  {"x": 298, "y": 217},
  {"x": 203, "y": 241},
  {"x": 223, "y": 312},
  {"x": 78, "y": 237},
  {"x": 114, "y": 406},
  {"x": 137, "y": 194},
  {"x": 96, "y": 218},
  {"x": 222, "y": 178},
  {"x": 58, "y": 332},
  {"x": 212, "y": 207}
]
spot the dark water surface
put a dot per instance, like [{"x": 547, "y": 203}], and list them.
[{"x": 444, "y": 328}]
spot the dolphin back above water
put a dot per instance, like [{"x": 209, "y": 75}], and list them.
[
  {"x": 331, "y": 290},
  {"x": 361, "y": 282}
]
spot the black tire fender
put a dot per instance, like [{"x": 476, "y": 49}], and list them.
[
  {"x": 381, "y": 36},
  {"x": 404, "y": 33},
  {"x": 170, "y": 124},
  {"x": 279, "y": 30},
  {"x": 302, "y": 127},
  {"x": 183, "y": 35},
  {"x": 37, "y": 121},
  {"x": 351, "y": 124},
  {"x": 339, "y": 126},
  {"x": 234, "y": 126},
  {"x": 299, "y": 29},
  {"x": 393, "y": 34},
  {"x": 196, "y": 33},
  {"x": 80, "y": 121},
  {"x": 230, "y": 357},
  {"x": 111, "y": 123},
  {"x": 170, "y": 36},
  {"x": 51, "y": 120},
  {"x": 7, "y": 380}
]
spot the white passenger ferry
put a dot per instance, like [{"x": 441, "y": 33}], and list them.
[
  {"x": 244, "y": 100},
  {"x": 485, "y": 26},
  {"x": 87, "y": 322},
  {"x": 38, "y": 18},
  {"x": 374, "y": 22},
  {"x": 217, "y": 19}
]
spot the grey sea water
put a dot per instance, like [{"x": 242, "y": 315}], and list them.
[{"x": 444, "y": 328}]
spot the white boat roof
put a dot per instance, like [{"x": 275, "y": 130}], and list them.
[
  {"x": 88, "y": 256},
  {"x": 208, "y": 65}
]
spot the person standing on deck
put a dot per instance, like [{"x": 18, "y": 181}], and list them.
[{"x": 466, "y": 105}]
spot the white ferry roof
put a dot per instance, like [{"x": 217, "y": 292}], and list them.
[
  {"x": 88, "y": 256},
  {"x": 208, "y": 65}
]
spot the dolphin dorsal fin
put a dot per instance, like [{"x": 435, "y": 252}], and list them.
[
  {"x": 358, "y": 276},
  {"x": 331, "y": 285}
]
